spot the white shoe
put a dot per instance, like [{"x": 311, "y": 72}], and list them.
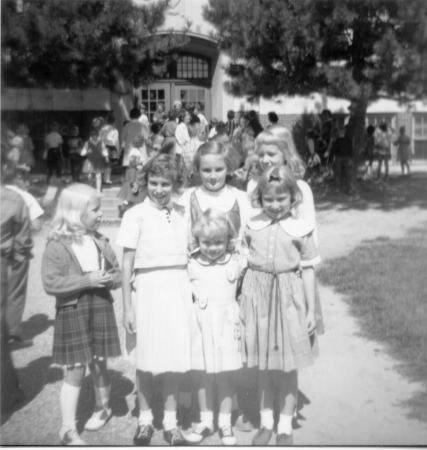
[
  {"x": 99, "y": 419},
  {"x": 198, "y": 434},
  {"x": 227, "y": 436},
  {"x": 71, "y": 437}
]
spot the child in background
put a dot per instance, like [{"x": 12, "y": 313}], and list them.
[
  {"x": 27, "y": 153},
  {"x": 369, "y": 151},
  {"x": 96, "y": 153},
  {"x": 383, "y": 148},
  {"x": 53, "y": 146},
  {"x": 157, "y": 298},
  {"x": 80, "y": 268},
  {"x": 155, "y": 140},
  {"x": 131, "y": 193},
  {"x": 248, "y": 145},
  {"x": 277, "y": 306},
  {"x": 75, "y": 145},
  {"x": 313, "y": 159},
  {"x": 215, "y": 274},
  {"x": 403, "y": 150}
]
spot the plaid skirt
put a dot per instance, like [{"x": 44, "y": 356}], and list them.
[
  {"x": 274, "y": 325},
  {"x": 86, "y": 331}
]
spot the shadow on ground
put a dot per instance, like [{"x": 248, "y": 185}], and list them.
[
  {"x": 36, "y": 325},
  {"x": 32, "y": 379},
  {"x": 121, "y": 387},
  {"x": 398, "y": 193}
]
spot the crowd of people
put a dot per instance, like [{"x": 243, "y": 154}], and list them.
[
  {"x": 220, "y": 252},
  {"x": 330, "y": 152}
]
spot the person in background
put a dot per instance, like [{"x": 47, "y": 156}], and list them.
[
  {"x": 324, "y": 141},
  {"x": 273, "y": 119},
  {"x": 254, "y": 122},
  {"x": 169, "y": 128},
  {"x": 19, "y": 269},
  {"x": 204, "y": 128},
  {"x": 143, "y": 118},
  {"x": 53, "y": 146},
  {"x": 15, "y": 247},
  {"x": 342, "y": 152},
  {"x": 403, "y": 144},
  {"x": 230, "y": 126},
  {"x": 155, "y": 140},
  {"x": 27, "y": 152},
  {"x": 369, "y": 151},
  {"x": 75, "y": 145},
  {"x": 131, "y": 130},
  {"x": 313, "y": 159},
  {"x": 181, "y": 133},
  {"x": 383, "y": 148},
  {"x": 110, "y": 138},
  {"x": 159, "y": 116},
  {"x": 177, "y": 106}
]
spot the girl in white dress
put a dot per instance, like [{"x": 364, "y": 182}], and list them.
[
  {"x": 215, "y": 274},
  {"x": 157, "y": 295}
]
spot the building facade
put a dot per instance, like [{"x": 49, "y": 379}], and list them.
[{"x": 196, "y": 77}]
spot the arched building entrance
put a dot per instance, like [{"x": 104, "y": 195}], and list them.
[{"x": 189, "y": 79}]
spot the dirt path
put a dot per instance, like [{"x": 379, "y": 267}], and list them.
[{"x": 353, "y": 395}]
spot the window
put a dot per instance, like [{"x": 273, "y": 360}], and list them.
[
  {"x": 420, "y": 126},
  {"x": 151, "y": 98},
  {"x": 191, "y": 67},
  {"x": 195, "y": 96}
]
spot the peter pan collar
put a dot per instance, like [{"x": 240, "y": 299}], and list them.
[
  {"x": 292, "y": 225},
  {"x": 169, "y": 207}
]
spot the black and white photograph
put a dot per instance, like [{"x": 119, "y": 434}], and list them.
[{"x": 213, "y": 223}]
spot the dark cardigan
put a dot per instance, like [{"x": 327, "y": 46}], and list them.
[{"x": 63, "y": 277}]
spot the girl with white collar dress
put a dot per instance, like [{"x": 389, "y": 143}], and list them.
[
  {"x": 278, "y": 299},
  {"x": 215, "y": 273},
  {"x": 157, "y": 296}
]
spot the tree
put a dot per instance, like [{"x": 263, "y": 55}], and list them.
[
  {"x": 355, "y": 49},
  {"x": 84, "y": 43}
]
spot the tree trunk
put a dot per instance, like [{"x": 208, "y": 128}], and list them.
[{"x": 356, "y": 131}]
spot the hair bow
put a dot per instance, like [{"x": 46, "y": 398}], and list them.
[{"x": 274, "y": 178}]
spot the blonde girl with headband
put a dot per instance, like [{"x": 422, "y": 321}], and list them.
[
  {"x": 278, "y": 299},
  {"x": 80, "y": 269},
  {"x": 215, "y": 274}
]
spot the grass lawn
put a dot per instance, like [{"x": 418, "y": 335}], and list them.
[{"x": 385, "y": 282}]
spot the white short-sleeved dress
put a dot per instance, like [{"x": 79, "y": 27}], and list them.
[
  {"x": 216, "y": 338},
  {"x": 161, "y": 291}
]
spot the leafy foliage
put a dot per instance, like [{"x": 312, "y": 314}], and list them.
[
  {"x": 81, "y": 43},
  {"x": 355, "y": 49}
]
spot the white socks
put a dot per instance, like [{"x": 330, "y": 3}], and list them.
[
  {"x": 145, "y": 417},
  {"x": 68, "y": 399},
  {"x": 102, "y": 395},
  {"x": 224, "y": 420},
  {"x": 206, "y": 418},
  {"x": 267, "y": 419},
  {"x": 285, "y": 424},
  {"x": 169, "y": 420}
]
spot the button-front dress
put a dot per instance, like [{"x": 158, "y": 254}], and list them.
[
  {"x": 272, "y": 307},
  {"x": 161, "y": 290}
]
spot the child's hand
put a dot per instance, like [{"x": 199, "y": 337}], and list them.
[
  {"x": 129, "y": 322},
  {"x": 135, "y": 188},
  {"x": 311, "y": 322},
  {"x": 100, "y": 279}
]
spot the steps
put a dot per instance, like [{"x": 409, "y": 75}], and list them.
[{"x": 110, "y": 204}]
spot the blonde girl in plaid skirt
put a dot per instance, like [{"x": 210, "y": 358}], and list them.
[
  {"x": 278, "y": 299},
  {"x": 80, "y": 268}
]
